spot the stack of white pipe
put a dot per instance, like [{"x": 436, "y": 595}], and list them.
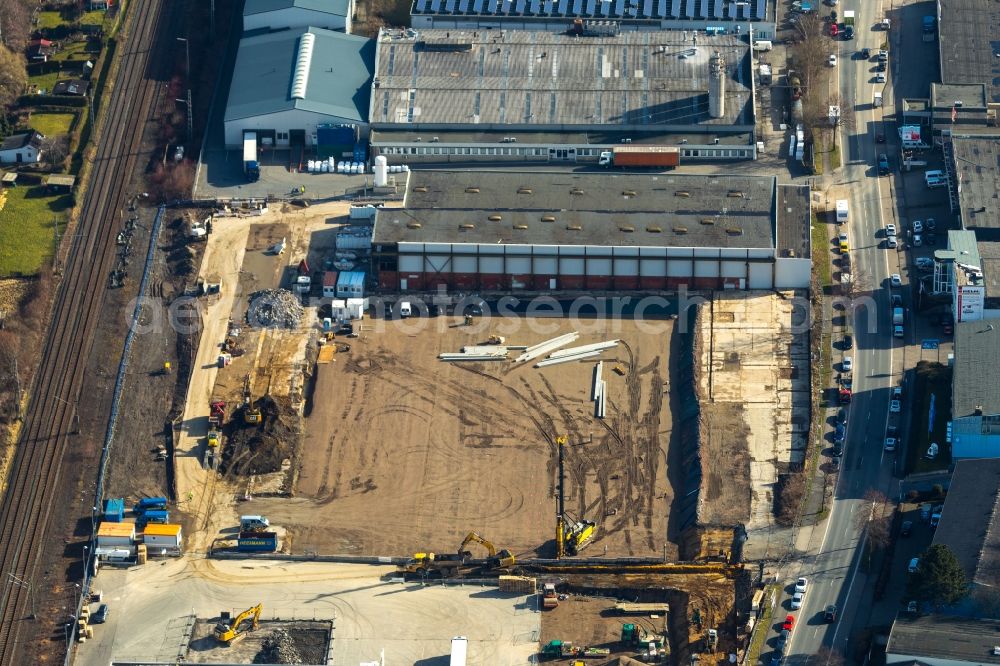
[
  {"x": 542, "y": 348},
  {"x": 577, "y": 353}
]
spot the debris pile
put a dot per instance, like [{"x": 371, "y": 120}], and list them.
[
  {"x": 274, "y": 308},
  {"x": 278, "y": 648},
  {"x": 260, "y": 448}
]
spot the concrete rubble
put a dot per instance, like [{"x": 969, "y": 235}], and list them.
[
  {"x": 278, "y": 648},
  {"x": 274, "y": 308}
]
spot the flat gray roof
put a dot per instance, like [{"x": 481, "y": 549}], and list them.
[
  {"x": 977, "y": 163},
  {"x": 657, "y": 138},
  {"x": 339, "y": 74},
  {"x": 675, "y": 210},
  {"x": 523, "y": 78},
  {"x": 969, "y": 525},
  {"x": 655, "y": 10},
  {"x": 989, "y": 261},
  {"x": 793, "y": 211},
  {"x": 976, "y": 375},
  {"x": 334, "y": 7},
  {"x": 968, "y": 95},
  {"x": 967, "y": 31},
  {"x": 945, "y": 637}
]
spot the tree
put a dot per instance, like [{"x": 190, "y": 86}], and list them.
[
  {"x": 939, "y": 578},
  {"x": 16, "y": 23},
  {"x": 846, "y": 119},
  {"x": 55, "y": 149},
  {"x": 13, "y": 77},
  {"x": 873, "y": 519}
]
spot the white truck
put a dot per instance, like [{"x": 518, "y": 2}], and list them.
[
  {"x": 897, "y": 322},
  {"x": 459, "y": 650},
  {"x": 843, "y": 211}
]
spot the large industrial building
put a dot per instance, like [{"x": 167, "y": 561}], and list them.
[
  {"x": 976, "y": 391},
  {"x": 297, "y": 14},
  {"x": 491, "y": 95},
  {"x": 716, "y": 15},
  {"x": 967, "y": 31},
  {"x": 285, "y": 84},
  {"x": 501, "y": 231}
]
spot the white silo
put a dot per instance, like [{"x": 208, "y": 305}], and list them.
[
  {"x": 716, "y": 85},
  {"x": 381, "y": 171}
]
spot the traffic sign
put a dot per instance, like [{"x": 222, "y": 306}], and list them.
[{"x": 930, "y": 344}]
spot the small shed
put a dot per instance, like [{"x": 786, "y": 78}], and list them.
[
  {"x": 75, "y": 87},
  {"x": 166, "y": 536},
  {"x": 60, "y": 183},
  {"x": 114, "y": 510},
  {"x": 113, "y": 535},
  {"x": 9, "y": 179},
  {"x": 329, "y": 284},
  {"x": 22, "y": 148},
  {"x": 351, "y": 284}
]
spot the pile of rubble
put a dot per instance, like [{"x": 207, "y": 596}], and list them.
[
  {"x": 274, "y": 308},
  {"x": 278, "y": 648}
]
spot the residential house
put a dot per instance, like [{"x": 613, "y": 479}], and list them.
[
  {"x": 76, "y": 87},
  {"x": 40, "y": 50},
  {"x": 21, "y": 148}
]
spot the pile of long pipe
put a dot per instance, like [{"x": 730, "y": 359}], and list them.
[
  {"x": 472, "y": 357},
  {"x": 566, "y": 359},
  {"x": 542, "y": 348},
  {"x": 599, "y": 390},
  {"x": 573, "y": 351}
]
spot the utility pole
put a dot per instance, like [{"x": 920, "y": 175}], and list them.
[
  {"x": 17, "y": 396},
  {"x": 11, "y": 578}
]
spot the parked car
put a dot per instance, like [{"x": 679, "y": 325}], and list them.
[
  {"x": 890, "y": 229},
  {"x": 883, "y": 55},
  {"x": 789, "y": 623},
  {"x": 907, "y": 528},
  {"x": 839, "y": 433},
  {"x": 846, "y": 364},
  {"x": 896, "y": 280},
  {"x": 891, "y": 242},
  {"x": 848, "y": 33},
  {"x": 918, "y": 226},
  {"x": 895, "y": 406},
  {"x": 101, "y": 616},
  {"x": 931, "y": 224},
  {"x": 848, "y": 342},
  {"x": 914, "y": 565},
  {"x": 830, "y": 614},
  {"x": 797, "y": 600},
  {"x": 801, "y": 584},
  {"x": 883, "y": 164},
  {"x": 866, "y": 53},
  {"x": 832, "y": 60},
  {"x": 897, "y": 392},
  {"x": 918, "y": 240},
  {"x": 880, "y": 78},
  {"x": 896, "y": 301},
  {"x": 834, "y": 29},
  {"x": 890, "y": 444},
  {"x": 924, "y": 263},
  {"x": 931, "y": 238}
]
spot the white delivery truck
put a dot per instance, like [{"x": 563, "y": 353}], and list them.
[
  {"x": 843, "y": 212},
  {"x": 459, "y": 650}
]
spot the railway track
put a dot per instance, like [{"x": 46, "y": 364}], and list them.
[{"x": 36, "y": 471}]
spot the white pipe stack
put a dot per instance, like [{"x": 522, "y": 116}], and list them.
[
  {"x": 597, "y": 346},
  {"x": 566, "y": 359},
  {"x": 542, "y": 348},
  {"x": 595, "y": 391}
]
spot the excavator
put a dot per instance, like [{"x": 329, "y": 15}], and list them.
[
  {"x": 575, "y": 535},
  {"x": 251, "y": 411},
  {"x": 230, "y": 632},
  {"x": 496, "y": 560}
]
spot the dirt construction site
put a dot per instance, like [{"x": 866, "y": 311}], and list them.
[{"x": 378, "y": 447}]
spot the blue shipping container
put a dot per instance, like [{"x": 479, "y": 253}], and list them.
[
  {"x": 336, "y": 135},
  {"x": 360, "y": 153},
  {"x": 155, "y": 516},
  {"x": 264, "y": 542},
  {"x": 147, "y": 503},
  {"x": 114, "y": 510}
]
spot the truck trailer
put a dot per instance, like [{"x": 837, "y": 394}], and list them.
[
  {"x": 661, "y": 157},
  {"x": 459, "y": 651},
  {"x": 251, "y": 167}
]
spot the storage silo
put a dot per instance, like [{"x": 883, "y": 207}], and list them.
[{"x": 717, "y": 85}]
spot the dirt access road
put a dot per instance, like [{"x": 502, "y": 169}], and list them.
[{"x": 403, "y": 452}]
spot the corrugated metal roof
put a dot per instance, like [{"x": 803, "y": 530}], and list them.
[
  {"x": 334, "y": 7},
  {"x": 625, "y": 10},
  {"x": 338, "y": 82},
  {"x": 154, "y": 529},
  {"x": 112, "y": 529}
]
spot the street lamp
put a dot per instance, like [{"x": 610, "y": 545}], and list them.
[{"x": 187, "y": 73}]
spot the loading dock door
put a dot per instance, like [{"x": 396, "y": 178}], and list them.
[{"x": 297, "y": 137}]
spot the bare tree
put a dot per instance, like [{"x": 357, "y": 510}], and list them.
[
  {"x": 13, "y": 77},
  {"x": 846, "y": 118},
  {"x": 56, "y": 149},
  {"x": 873, "y": 517},
  {"x": 812, "y": 51},
  {"x": 15, "y": 24}
]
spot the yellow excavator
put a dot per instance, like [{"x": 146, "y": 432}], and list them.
[
  {"x": 230, "y": 632},
  {"x": 251, "y": 411},
  {"x": 496, "y": 560},
  {"x": 572, "y": 536}
]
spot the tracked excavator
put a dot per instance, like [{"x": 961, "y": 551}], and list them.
[
  {"x": 230, "y": 632},
  {"x": 496, "y": 559},
  {"x": 572, "y": 536}
]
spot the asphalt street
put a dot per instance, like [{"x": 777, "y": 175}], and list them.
[{"x": 833, "y": 574}]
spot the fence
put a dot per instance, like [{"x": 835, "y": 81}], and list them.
[{"x": 154, "y": 236}]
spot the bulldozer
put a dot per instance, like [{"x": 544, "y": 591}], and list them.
[
  {"x": 496, "y": 560},
  {"x": 230, "y": 632}
]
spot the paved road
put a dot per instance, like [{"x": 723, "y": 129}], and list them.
[{"x": 833, "y": 573}]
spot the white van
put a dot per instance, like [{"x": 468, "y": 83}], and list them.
[
  {"x": 253, "y": 523},
  {"x": 843, "y": 211},
  {"x": 763, "y": 45},
  {"x": 405, "y": 310},
  {"x": 935, "y": 178}
]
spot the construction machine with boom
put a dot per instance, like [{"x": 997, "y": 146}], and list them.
[
  {"x": 571, "y": 536},
  {"x": 228, "y": 632},
  {"x": 449, "y": 565},
  {"x": 496, "y": 560}
]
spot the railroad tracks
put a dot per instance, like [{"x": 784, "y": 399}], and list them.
[{"x": 36, "y": 471}]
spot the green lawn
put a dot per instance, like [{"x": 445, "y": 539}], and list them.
[
  {"x": 27, "y": 229},
  {"x": 51, "y": 124},
  {"x": 92, "y": 18},
  {"x": 49, "y": 20},
  {"x": 931, "y": 379},
  {"x": 44, "y": 81},
  {"x": 73, "y": 51}
]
